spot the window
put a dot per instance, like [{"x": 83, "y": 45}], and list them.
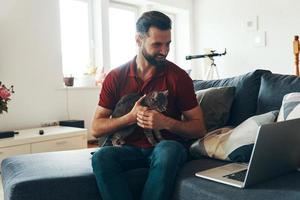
[
  {"x": 122, "y": 45},
  {"x": 171, "y": 55},
  {"x": 101, "y": 33},
  {"x": 75, "y": 36}
]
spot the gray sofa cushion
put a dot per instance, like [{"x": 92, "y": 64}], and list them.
[
  {"x": 189, "y": 186},
  {"x": 273, "y": 88},
  {"x": 68, "y": 175},
  {"x": 215, "y": 103},
  {"x": 58, "y": 176},
  {"x": 245, "y": 101}
]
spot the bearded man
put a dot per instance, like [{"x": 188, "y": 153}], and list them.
[{"x": 148, "y": 71}]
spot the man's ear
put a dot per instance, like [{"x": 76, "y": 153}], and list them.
[{"x": 138, "y": 39}]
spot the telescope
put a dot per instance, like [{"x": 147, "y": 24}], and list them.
[{"x": 212, "y": 54}]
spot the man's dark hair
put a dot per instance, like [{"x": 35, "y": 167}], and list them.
[{"x": 155, "y": 19}]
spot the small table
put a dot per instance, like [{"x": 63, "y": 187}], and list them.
[{"x": 53, "y": 138}]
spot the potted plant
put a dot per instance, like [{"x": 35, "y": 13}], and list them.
[
  {"x": 5, "y": 94},
  {"x": 69, "y": 81}
]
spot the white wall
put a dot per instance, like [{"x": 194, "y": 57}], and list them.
[
  {"x": 30, "y": 59},
  {"x": 221, "y": 24}
]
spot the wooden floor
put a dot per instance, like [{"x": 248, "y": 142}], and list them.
[
  {"x": 93, "y": 143},
  {"x": 1, "y": 190}
]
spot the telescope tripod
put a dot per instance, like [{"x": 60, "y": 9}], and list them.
[{"x": 212, "y": 70}]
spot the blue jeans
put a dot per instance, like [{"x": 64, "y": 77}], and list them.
[{"x": 164, "y": 161}]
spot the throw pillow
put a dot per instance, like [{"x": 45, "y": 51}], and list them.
[
  {"x": 273, "y": 87},
  {"x": 246, "y": 92},
  {"x": 290, "y": 108},
  {"x": 232, "y": 144},
  {"x": 215, "y": 103}
]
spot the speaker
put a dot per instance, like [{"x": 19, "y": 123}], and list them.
[
  {"x": 7, "y": 134},
  {"x": 72, "y": 123}
]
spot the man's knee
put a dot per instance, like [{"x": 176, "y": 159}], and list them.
[
  {"x": 170, "y": 147},
  {"x": 103, "y": 155},
  {"x": 169, "y": 153}
]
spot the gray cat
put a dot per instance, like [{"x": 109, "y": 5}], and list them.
[{"x": 156, "y": 100}]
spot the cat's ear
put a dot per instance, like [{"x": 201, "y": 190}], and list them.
[
  {"x": 166, "y": 92},
  {"x": 150, "y": 95}
]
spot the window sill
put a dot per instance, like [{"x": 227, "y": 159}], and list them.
[{"x": 80, "y": 88}]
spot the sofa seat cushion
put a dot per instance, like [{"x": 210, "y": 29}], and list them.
[
  {"x": 57, "y": 176},
  {"x": 189, "y": 186},
  {"x": 246, "y": 92},
  {"x": 272, "y": 90}
]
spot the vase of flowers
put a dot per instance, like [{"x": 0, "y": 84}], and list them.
[{"x": 5, "y": 94}]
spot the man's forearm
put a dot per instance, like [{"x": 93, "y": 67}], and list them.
[
  {"x": 105, "y": 126},
  {"x": 192, "y": 129}
]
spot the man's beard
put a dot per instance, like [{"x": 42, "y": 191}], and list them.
[{"x": 151, "y": 59}]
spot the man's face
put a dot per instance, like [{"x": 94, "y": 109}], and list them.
[{"x": 155, "y": 46}]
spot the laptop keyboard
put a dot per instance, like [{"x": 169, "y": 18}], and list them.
[
  {"x": 239, "y": 176},
  {"x": 232, "y": 167}
]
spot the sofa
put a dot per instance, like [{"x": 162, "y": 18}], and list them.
[{"x": 68, "y": 174}]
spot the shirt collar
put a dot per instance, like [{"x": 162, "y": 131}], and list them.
[{"x": 132, "y": 70}]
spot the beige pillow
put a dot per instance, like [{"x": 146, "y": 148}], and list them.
[{"x": 232, "y": 144}]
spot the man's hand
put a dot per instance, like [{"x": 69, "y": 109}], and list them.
[
  {"x": 151, "y": 119},
  {"x": 136, "y": 109},
  {"x": 192, "y": 127},
  {"x": 103, "y": 124}
]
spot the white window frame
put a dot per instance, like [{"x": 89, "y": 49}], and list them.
[
  {"x": 173, "y": 34},
  {"x": 135, "y": 9},
  {"x": 90, "y": 32}
]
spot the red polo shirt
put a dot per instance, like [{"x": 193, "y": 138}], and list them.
[{"x": 124, "y": 80}]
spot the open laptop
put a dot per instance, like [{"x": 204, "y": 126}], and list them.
[{"x": 276, "y": 152}]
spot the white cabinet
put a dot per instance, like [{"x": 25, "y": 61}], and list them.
[
  {"x": 59, "y": 144},
  {"x": 14, "y": 150},
  {"x": 55, "y": 138}
]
